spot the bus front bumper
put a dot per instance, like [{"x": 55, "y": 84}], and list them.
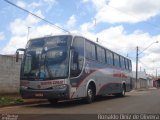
[{"x": 45, "y": 94}]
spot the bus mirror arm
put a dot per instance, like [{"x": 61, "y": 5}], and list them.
[{"x": 17, "y": 53}]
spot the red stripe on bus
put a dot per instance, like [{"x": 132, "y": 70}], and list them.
[
  {"x": 73, "y": 94},
  {"x": 121, "y": 75}
]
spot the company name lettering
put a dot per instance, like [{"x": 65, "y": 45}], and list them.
[{"x": 52, "y": 82}]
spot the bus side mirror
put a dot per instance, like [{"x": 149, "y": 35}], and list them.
[
  {"x": 17, "y": 56},
  {"x": 17, "y": 53}
]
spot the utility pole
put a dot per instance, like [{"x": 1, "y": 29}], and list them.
[
  {"x": 136, "y": 66},
  {"x": 137, "y": 57},
  {"x": 156, "y": 74}
]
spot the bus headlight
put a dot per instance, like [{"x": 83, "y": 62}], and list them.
[{"x": 59, "y": 87}]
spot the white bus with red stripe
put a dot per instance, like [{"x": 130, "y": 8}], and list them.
[{"x": 65, "y": 67}]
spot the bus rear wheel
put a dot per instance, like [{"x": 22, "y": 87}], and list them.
[{"x": 122, "y": 93}]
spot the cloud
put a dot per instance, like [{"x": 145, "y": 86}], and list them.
[
  {"x": 21, "y": 4},
  {"x": 71, "y": 22},
  {"x": 39, "y": 4},
  {"x": 14, "y": 43},
  {"x": 43, "y": 30},
  {"x": 19, "y": 40},
  {"x": 34, "y": 5},
  {"x": 29, "y": 6},
  {"x": 20, "y": 26},
  {"x": 114, "y": 38},
  {"x": 19, "y": 30},
  {"x": 2, "y": 36},
  {"x": 84, "y": 1},
  {"x": 50, "y": 3},
  {"x": 87, "y": 26},
  {"x": 135, "y": 11}
]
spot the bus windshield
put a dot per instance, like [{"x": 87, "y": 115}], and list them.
[{"x": 46, "y": 58}]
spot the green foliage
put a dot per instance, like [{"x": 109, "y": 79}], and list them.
[{"x": 10, "y": 101}]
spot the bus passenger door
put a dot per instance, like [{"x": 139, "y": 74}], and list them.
[{"x": 76, "y": 66}]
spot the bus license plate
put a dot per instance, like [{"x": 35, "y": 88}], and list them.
[{"x": 39, "y": 94}]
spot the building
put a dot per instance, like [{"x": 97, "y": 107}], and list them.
[
  {"x": 156, "y": 83},
  {"x": 144, "y": 80}
]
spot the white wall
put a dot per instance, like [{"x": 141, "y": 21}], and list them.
[{"x": 9, "y": 75}]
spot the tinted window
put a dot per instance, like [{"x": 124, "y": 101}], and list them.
[
  {"x": 100, "y": 54},
  {"x": 116, "y": 60},
  {"x": 109, "y": 57},
  {"x": 37, "y": 43},
  {"x": 90, "y": 50},
  {"x": 130, "y": 65},
  {"x": 126, "y": 64},
  {"x": 122, "y": 62}
]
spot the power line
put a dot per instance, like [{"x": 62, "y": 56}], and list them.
[
  {"x": 157, "y": 67},
  {"x": 36, "y": 16},
  {"x": 144, "y": 64}
]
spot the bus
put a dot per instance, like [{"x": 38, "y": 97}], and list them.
[{"x": 67, "y": 67}]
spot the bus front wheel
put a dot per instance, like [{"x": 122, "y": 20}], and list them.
[{"x": 90, "y": 95}]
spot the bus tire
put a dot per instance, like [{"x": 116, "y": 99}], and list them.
[
  {"x": 122, "y": 93},
  {"x": 90, "y": 94},
  {"x": 53, "y": 101}
]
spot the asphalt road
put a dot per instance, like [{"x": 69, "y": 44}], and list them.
[{"x": 135, "y": 102}]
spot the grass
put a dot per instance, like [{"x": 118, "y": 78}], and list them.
[{"x": 6, "y": 100}]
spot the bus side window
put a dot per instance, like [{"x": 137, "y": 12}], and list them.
[
  {"x": 77, "y": 56},
  {"x": 116, "y": 60},
  {"x": 130, "y": 65},
  {"x": 109, "y": 57},
  {"x": 122, "y": 62},
  {"x": 100, "y": 54},
  {"x": 93, "y": 51},
  {"x": 126, "y": 64},
  {"x": 103, "y": 55},
  {"x": 90, "y": 50}
]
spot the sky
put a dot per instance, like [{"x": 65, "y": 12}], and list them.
[{"x": 119, "y": 25}]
